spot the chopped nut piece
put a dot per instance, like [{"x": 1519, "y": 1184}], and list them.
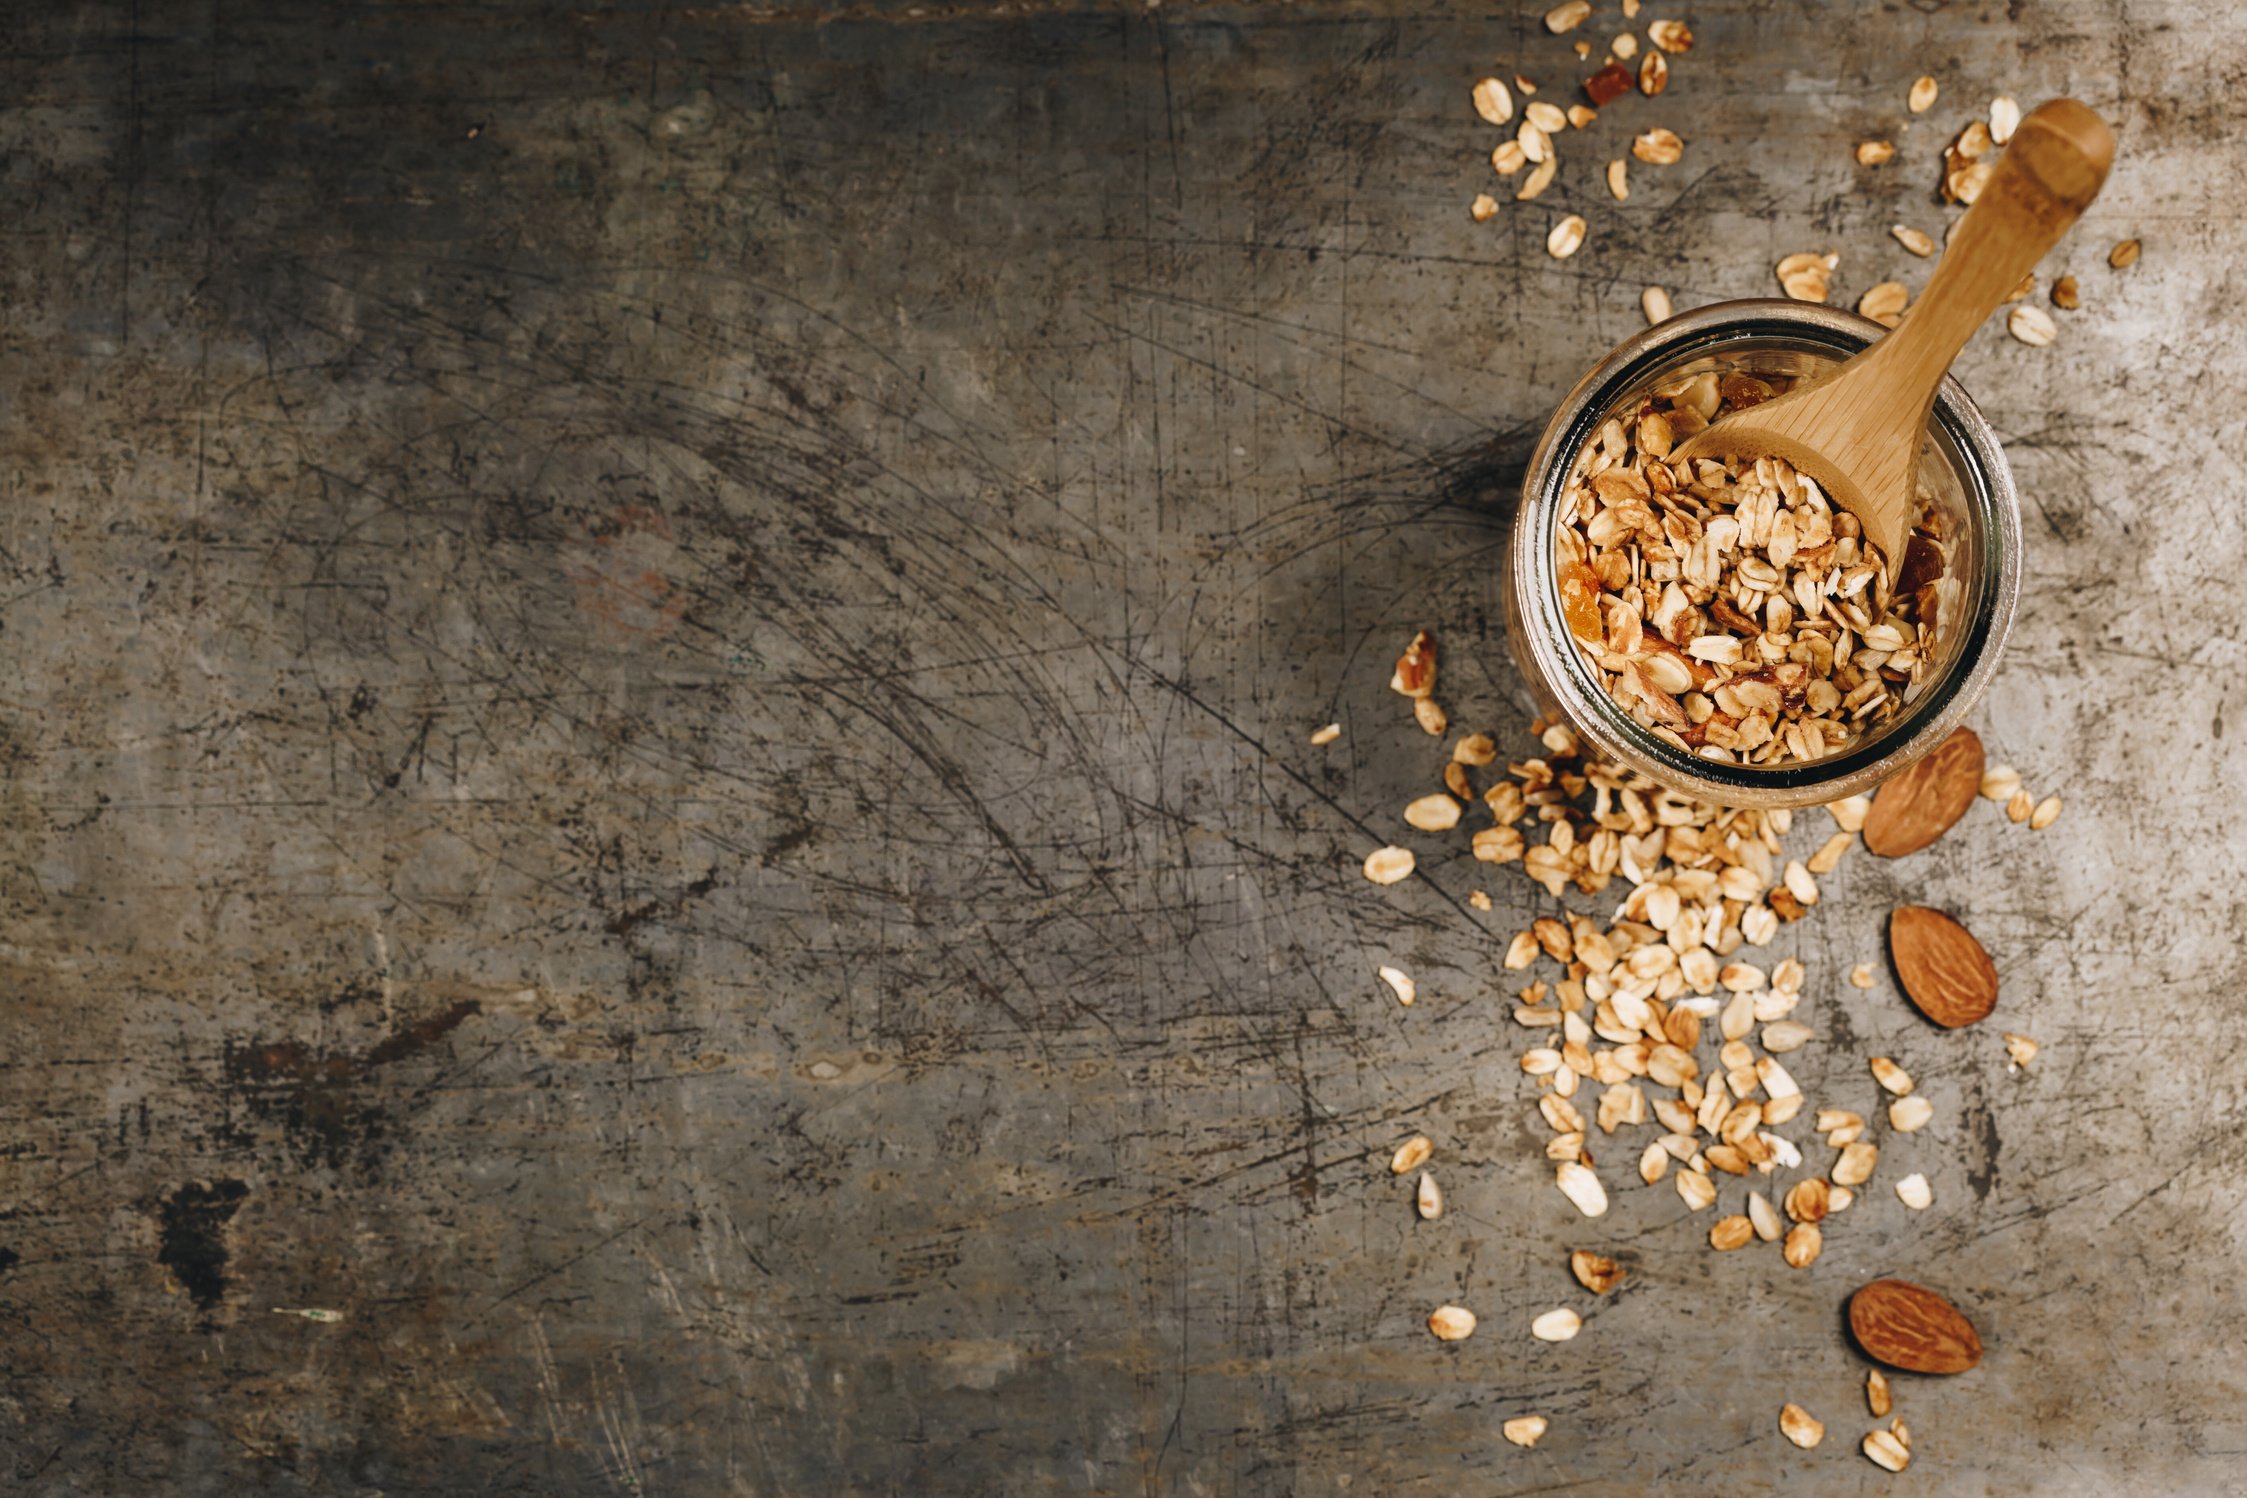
[
  {"x": 1876, "y": 1394},
  {"x": 1670, "y": 36},
  {"x": 1729, "y": 1233},
  {"x": 1451, "y": 1323},
  {"x": 1799, "y": 1426},
  {"x": 1567, "y": 16},
  {"x": 2123, "y": 255},
  {"x": 1415, "y": 675},
  {"x": 2047, "y": 812},
  {"x": 2066, "y": 295},
  {"x": 2005, "y": 116},
  {"x": 1483, "y": 208},
  {"x": 1922, "y": 97},
  {"x": 1566, "y": 238},
  {"x": 1805, "y": 1240},
  {"x": 1580, "y": 1186},
  {"x": 1855, "y": 1167},
  {"x": 1908, "y": 1115},
  {"x": 1653, "y": 74},
  {"x": 1429, "y": 714},
  {"x": 1887, "y": 1451},
  {"x": 1884, "y": 303},
  {"x": 1891, "y": 1076},
  {"x": 1538, "y": 180},
  {"x": 1595, "y": 1272},
  {"x": 1432, "y": 813},
  {"x": 1558, "y": 1325},
  {"x": 1619, "y": 185},
  {"x": 1875, "y": 152},
  {"x": 1525, "y": 1430},
  {"x": 1914, "y": 1192},
  {"x": 1429, "y": 1198},
  {"x": 1388, "y": 865},
  {"x": 1411, "y": 1155},
  {"x": 1328, "y": 734},
  {"x": 1654, "y": 301},
  {"x": 2020, "y": 1048},
  {"x": 1493, "y": 101},
  {"x": 1657, "y": 147},
  {"x": 2032, "y": 325}
]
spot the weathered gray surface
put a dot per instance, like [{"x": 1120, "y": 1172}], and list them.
[{"x": 655, "y": 744}]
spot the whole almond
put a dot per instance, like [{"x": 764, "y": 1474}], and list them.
[
  {"x": 1945, "y": 972},
  {"x": 1904, "y": 1326},
  {"x": 1919, "y": 805}
]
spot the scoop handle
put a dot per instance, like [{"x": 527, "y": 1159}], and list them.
[{"x": 2051, "y": 170}]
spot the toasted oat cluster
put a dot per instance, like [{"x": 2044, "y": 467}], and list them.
[{"x": 1731, "y": 608}]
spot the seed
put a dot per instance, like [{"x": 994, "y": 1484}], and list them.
[
  {"x": 1670, "y": 36},
  {"x": 1695, "y": 1190},
  {"x": 1855, "y": 1167},
  {"x": 1884, "y": 303},
  {"x": 1411, "y": 1155},
  {"x": 1657, "y": 147},
  {"x": 1429, "y": 714},
  {"x": 1508, "y": 158},
  {"x": 1654, "y": 301},
  {"x": 1908, "y": 1115},
  {"x": 1538, "y": 180},
  {"x": 2020, "y": 1048},
  {"x": 1804, "y": 1242},
  {"x": 1891, "y": 1076},
  {"x": 1861, "y": 976},
  {"x": 1595, "y": 1272},
  {"x": 1433, "y": 813},
  {"x": 1429, "y": 1198},
  {"x": 1914, "y": 1192},
  {"x": 1525, "y": 1430},
  {"x": 1915, "y": 240},
  {"x": 1876, "y": 1394},
  {"x": 1483, "y": 208},
  {"x": 1875, "y": 153},
  {"x": 1566, "y": 238},
  {"x": 2123, "y": 255},
  {"x": 2005, "y": 117},
  {"x": 1765, "y": 1217},
  {"x": 2047, "y": 812},
  {"x": 1559, "y": 1325},
  {"x": 1618, "y": 184},
  {"x": 1887, "y": 1451},
  {"x": 2032, "y": 325},
  {"x": 1567, "y": 16},
  {"x": 1580, "y": 1186},
  {"x": 1785, "y": 1036},
  {"x": 2066, "y": 295},
  {"x": 1922, "y": 96},
  {"x": 1729, "y": 1233},
  {"x": 1493, "y": 101},
  {"x": 1406, "y": 989},
  {"x": 1451, "y": 1323},
  {"x": 1799, "y": 1426},
  {"x": 1806, "y": 1200}
]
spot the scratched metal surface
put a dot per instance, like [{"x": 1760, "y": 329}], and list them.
[{"x": 655, "y": 745}]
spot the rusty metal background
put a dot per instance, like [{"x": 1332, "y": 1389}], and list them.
[{"x": 658, "y": 664}]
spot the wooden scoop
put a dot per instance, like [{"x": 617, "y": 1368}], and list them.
[{"x": 1857, "y": 429}]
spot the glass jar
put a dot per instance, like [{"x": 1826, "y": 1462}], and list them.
[{"x": 1961, "y": 466}]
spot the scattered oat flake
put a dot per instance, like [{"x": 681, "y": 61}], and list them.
[
  {"x": 1922, "y": 96},
  {"x": 1580, "y": 1186},
  {"x": 1493, "y": 101},
  {"x": 1524, "y": 1430},
  {"x": 1401, "y": 981},
  {"x": 1328, "y": 734},
  {"x": 1630, "y": 10},
  {"x": 2032, "y": 325},
  {"x": 1876, "y": 1394},
  {"x": 2066, "y": 294},
  {"x": 1508, "y": 158},
  {"x": 1388, "y": 865},
  {"x": 1411, "y": 1155},
  {"x": 1887, "y": 1451},
  {"x": 1654, "y": 302},
  {"x": 2005, "y": 117},
  {"x": 1918, "y": 241},
  {"x": 1566, "y": 238},
  {"x": 1451, "y": 1323},
  {"x": 1875, "y": 152},
  {"x": 1884, "y": 303},
  {"x": 1478, "y": 899},
  {"x": 1538, "y": 180},
  {"x": 1581, "y": 116},
  {"x": 1435, "y": 812},
  {"x": 1618, "y": 179},
  {"x": 1556, "y": 1325},
  {"x": 1431, "y": 717},
  {"x": 1657, "y": 147},
  {"x": 1999, "y": 782},
  {"x": 2020, "y": 806},
  {"x": 1908, "y": 1115},
  {"x": 1527, "y": 88},
  {"x": 1429, "y": 1198},
  {"x": 1891, "y": 1076},
  {"x": 2047, "y": 812},
  {"x": 1548, "y": 118},
  {"x": 2123, "y": 255},
  {"x": 1567, "y": 16},
  {"x": 1914, "y": 1192},
  {"x": 1625, "y": 46},
  {"x": 2022, "y": 1049},
  {"x": 1800, "y": 1426},
  {"x": 1483, "y": 208}
]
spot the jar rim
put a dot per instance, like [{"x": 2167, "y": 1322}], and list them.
[{"x": 1992, "y": 507}]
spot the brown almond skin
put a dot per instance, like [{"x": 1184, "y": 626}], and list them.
[
  {"x": 1944, "y": 970},
  {"x": 1905, "y": 1326},
  {"x": 1918, "y": 805}
]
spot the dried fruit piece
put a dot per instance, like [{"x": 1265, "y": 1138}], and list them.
[
  {"x": 1729, "y": 1233},
  {"x": 2066, "y": 295},
  {"x": 1909, "y": 1327},
  {"x": 1566, "y": 238},
  {"x": 1388, "y": 865},
  {"x": 1493, "y": 101},
  {"x": 1875, "y": 152},
  {"x": 2032, "y": 325},
  {"x": 1654, "y": 301},
  {"x": 1567, "y": 16},
  {"x": 1595, "y": 1272},
  {"x": 1580, "y": 1186},
  {"x": 1919, "y": 805},
  {"x": 1432, "y": 813},
  {"x": 1619, "y": 187},
  {"x": 1922, "y": 96},
  {"x": 1876, "y": 1394},
  {"x": 2020, "y": 1048},
  {"x": 1945, "y": 972},
  {"x": 2124, "y": 255},
  {"x": 1799, "y": 1426},
  {"x": 1411, "y": 1155},
  {"x": 1908, "y": 1115},
  {"x": 1914, "y": 1192},
  {"x": 1887, "y": 1451},
  {"x": 1429, "y": 1198},
  {"x": 1670, "y": 36},
  {"x": 1524, "y": 1430},
  {"x": 1891, "y": 1076},
  {"x": 1328, "y": 734},
  {"x": 1608, "y": 84},
  {"x": 1451, "y": 1323},
  {"x": 1657, "y": 147}
]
